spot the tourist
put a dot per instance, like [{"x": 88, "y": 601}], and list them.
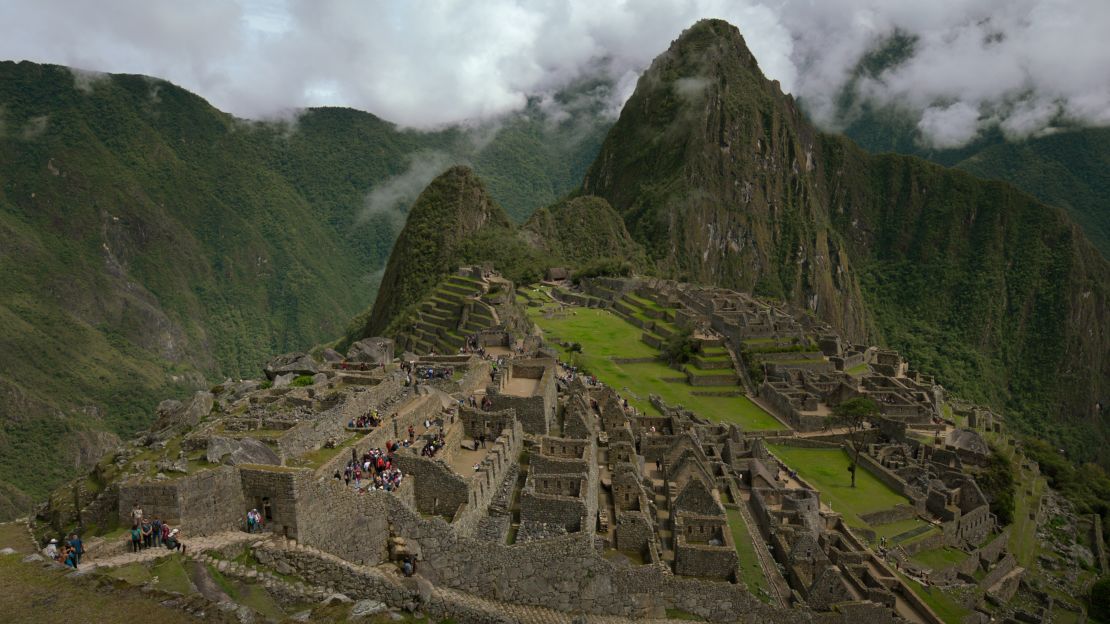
[
  {"x": 250, "y": 521},
  {"x": 165, "y": 532},
  {"x": 147, "y": 533},
  {"x": 156, "y": 531},
  {"x": 173, "y": 543},
  {"x": 136, "y": 514},
  {"x": 69, "y": 557},
  {"x": 136, "y": 538},
  {"x": 77, "y": 545},
  {"x": 51, "y": 550},
  {"x": 407, "y": 567}
]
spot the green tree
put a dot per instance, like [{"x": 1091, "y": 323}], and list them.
[
  {"x": 854, "y": 414},
  {"x": 680, "y": 347}
]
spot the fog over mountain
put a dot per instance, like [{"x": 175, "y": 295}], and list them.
[{"x": 1022, "y": 65}]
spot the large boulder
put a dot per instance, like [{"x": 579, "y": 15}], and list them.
[
  {"x": 372, "y": 351},
  {"x": 331, "y": 356},
  {"x": 234, "y": 452},
  {"x": 296, "y": 363},
  {"x": 171, "y": 413}
]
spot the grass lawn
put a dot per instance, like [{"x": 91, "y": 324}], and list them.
[
  {"x": 321, "y": 456},
  {"x": 14, "y": 535},
  {"x": 35, "y": 594},
  {"x": 1023, "y": 532},
  {"x": 896, "y": 528},
  {"x": 750, "y": 570},
  {"x": 827, "y": 470},
  {"x": 604, "y": 335},
  {"x": 940, "y": 602},
  {"x": 939, "y": 558},
  {"x": 172, "y": 576},
  {"x": 858, "y": 370}
]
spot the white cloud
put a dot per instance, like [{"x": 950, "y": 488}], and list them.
[
  {"x": 393, "y": 197},
  {"x": 949, "y": 126},
  {"x": 431, "y": 63}
]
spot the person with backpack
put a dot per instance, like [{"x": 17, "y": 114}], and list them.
[
  {"x": 78, "y": 547},
  {"x": 156, "y": 531},
  {"x": 136, "y": 538},
  {"x": 250, "y": 521}
]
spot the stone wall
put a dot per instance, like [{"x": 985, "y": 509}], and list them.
[
  {"x": 437, "y": 489},
  {"x": 156, "y": 499},
  {"x": 634, "y": 531},
  {"x": 693, "y": 558},
  {"x": 887, "y": 516},
  {"x": 534, "y": 412},
  {"x": 273, "y": 492},
  {"x": 212, "y": 501},
  {"x": 335, "y": 519},
  {"x": 477, "y": 422}
]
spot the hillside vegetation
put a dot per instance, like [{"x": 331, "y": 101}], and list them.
[{"x": 151, "y": 244}]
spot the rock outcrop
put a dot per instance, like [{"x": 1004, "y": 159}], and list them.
[
  {"x": 234, "y": 452},
  {"x": 174, "y": 413},
  {"x": 294, "y": 363},
  {"x": 371, "y": 351}
]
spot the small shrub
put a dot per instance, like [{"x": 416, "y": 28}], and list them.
[{"x": 301, "y": 381}]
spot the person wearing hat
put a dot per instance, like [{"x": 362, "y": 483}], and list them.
[
  {"x": 51, "y": 550},
  {"x": 173, "y": 543}
]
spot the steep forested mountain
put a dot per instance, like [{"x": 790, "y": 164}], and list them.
[
  {"x": 150, "y": 243},
  {"x": 724, "y": 181}
]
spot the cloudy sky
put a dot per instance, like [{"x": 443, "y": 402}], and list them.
[{"x": 1018, "y": 64}]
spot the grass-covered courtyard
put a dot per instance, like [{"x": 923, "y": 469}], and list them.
[
  {"x": 827, "y": 470},
  {"x": 605, "y": 336}
]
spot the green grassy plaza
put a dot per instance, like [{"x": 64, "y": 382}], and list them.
[
  {"x": 604, "y": 336},
  {"x": 827, "y": 470}
]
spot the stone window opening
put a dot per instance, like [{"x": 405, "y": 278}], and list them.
[{"x": 267, "y": 509}]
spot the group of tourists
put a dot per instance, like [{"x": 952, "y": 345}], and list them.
[
  {"x": 67, "y": 553},
  {"x": 429, "y": 373},
  {"x": 375, "y": 468},
  {"x": 150, "y": 532},
  {"x": 369, "y": 420},
  {"x": 254, "y": 521},
  {"x": 433, "y": 446}
]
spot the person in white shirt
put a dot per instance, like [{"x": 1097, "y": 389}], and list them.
[{"x": 51, "y": 550}]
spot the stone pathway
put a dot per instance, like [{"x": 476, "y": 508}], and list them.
[{"x": 193, "y": 545}]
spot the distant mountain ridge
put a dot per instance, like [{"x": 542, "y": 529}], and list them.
[{"x": 150, "y": 244}]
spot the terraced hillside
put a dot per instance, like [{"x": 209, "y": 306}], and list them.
[
  {"x": 457, "y": 307},
  {"x": 617, "y": 347}
]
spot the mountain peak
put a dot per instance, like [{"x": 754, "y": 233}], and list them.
[{"x": 451, "y": 209}]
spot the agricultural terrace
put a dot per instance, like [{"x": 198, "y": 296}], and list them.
[{"x": 605, "y": 337}]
